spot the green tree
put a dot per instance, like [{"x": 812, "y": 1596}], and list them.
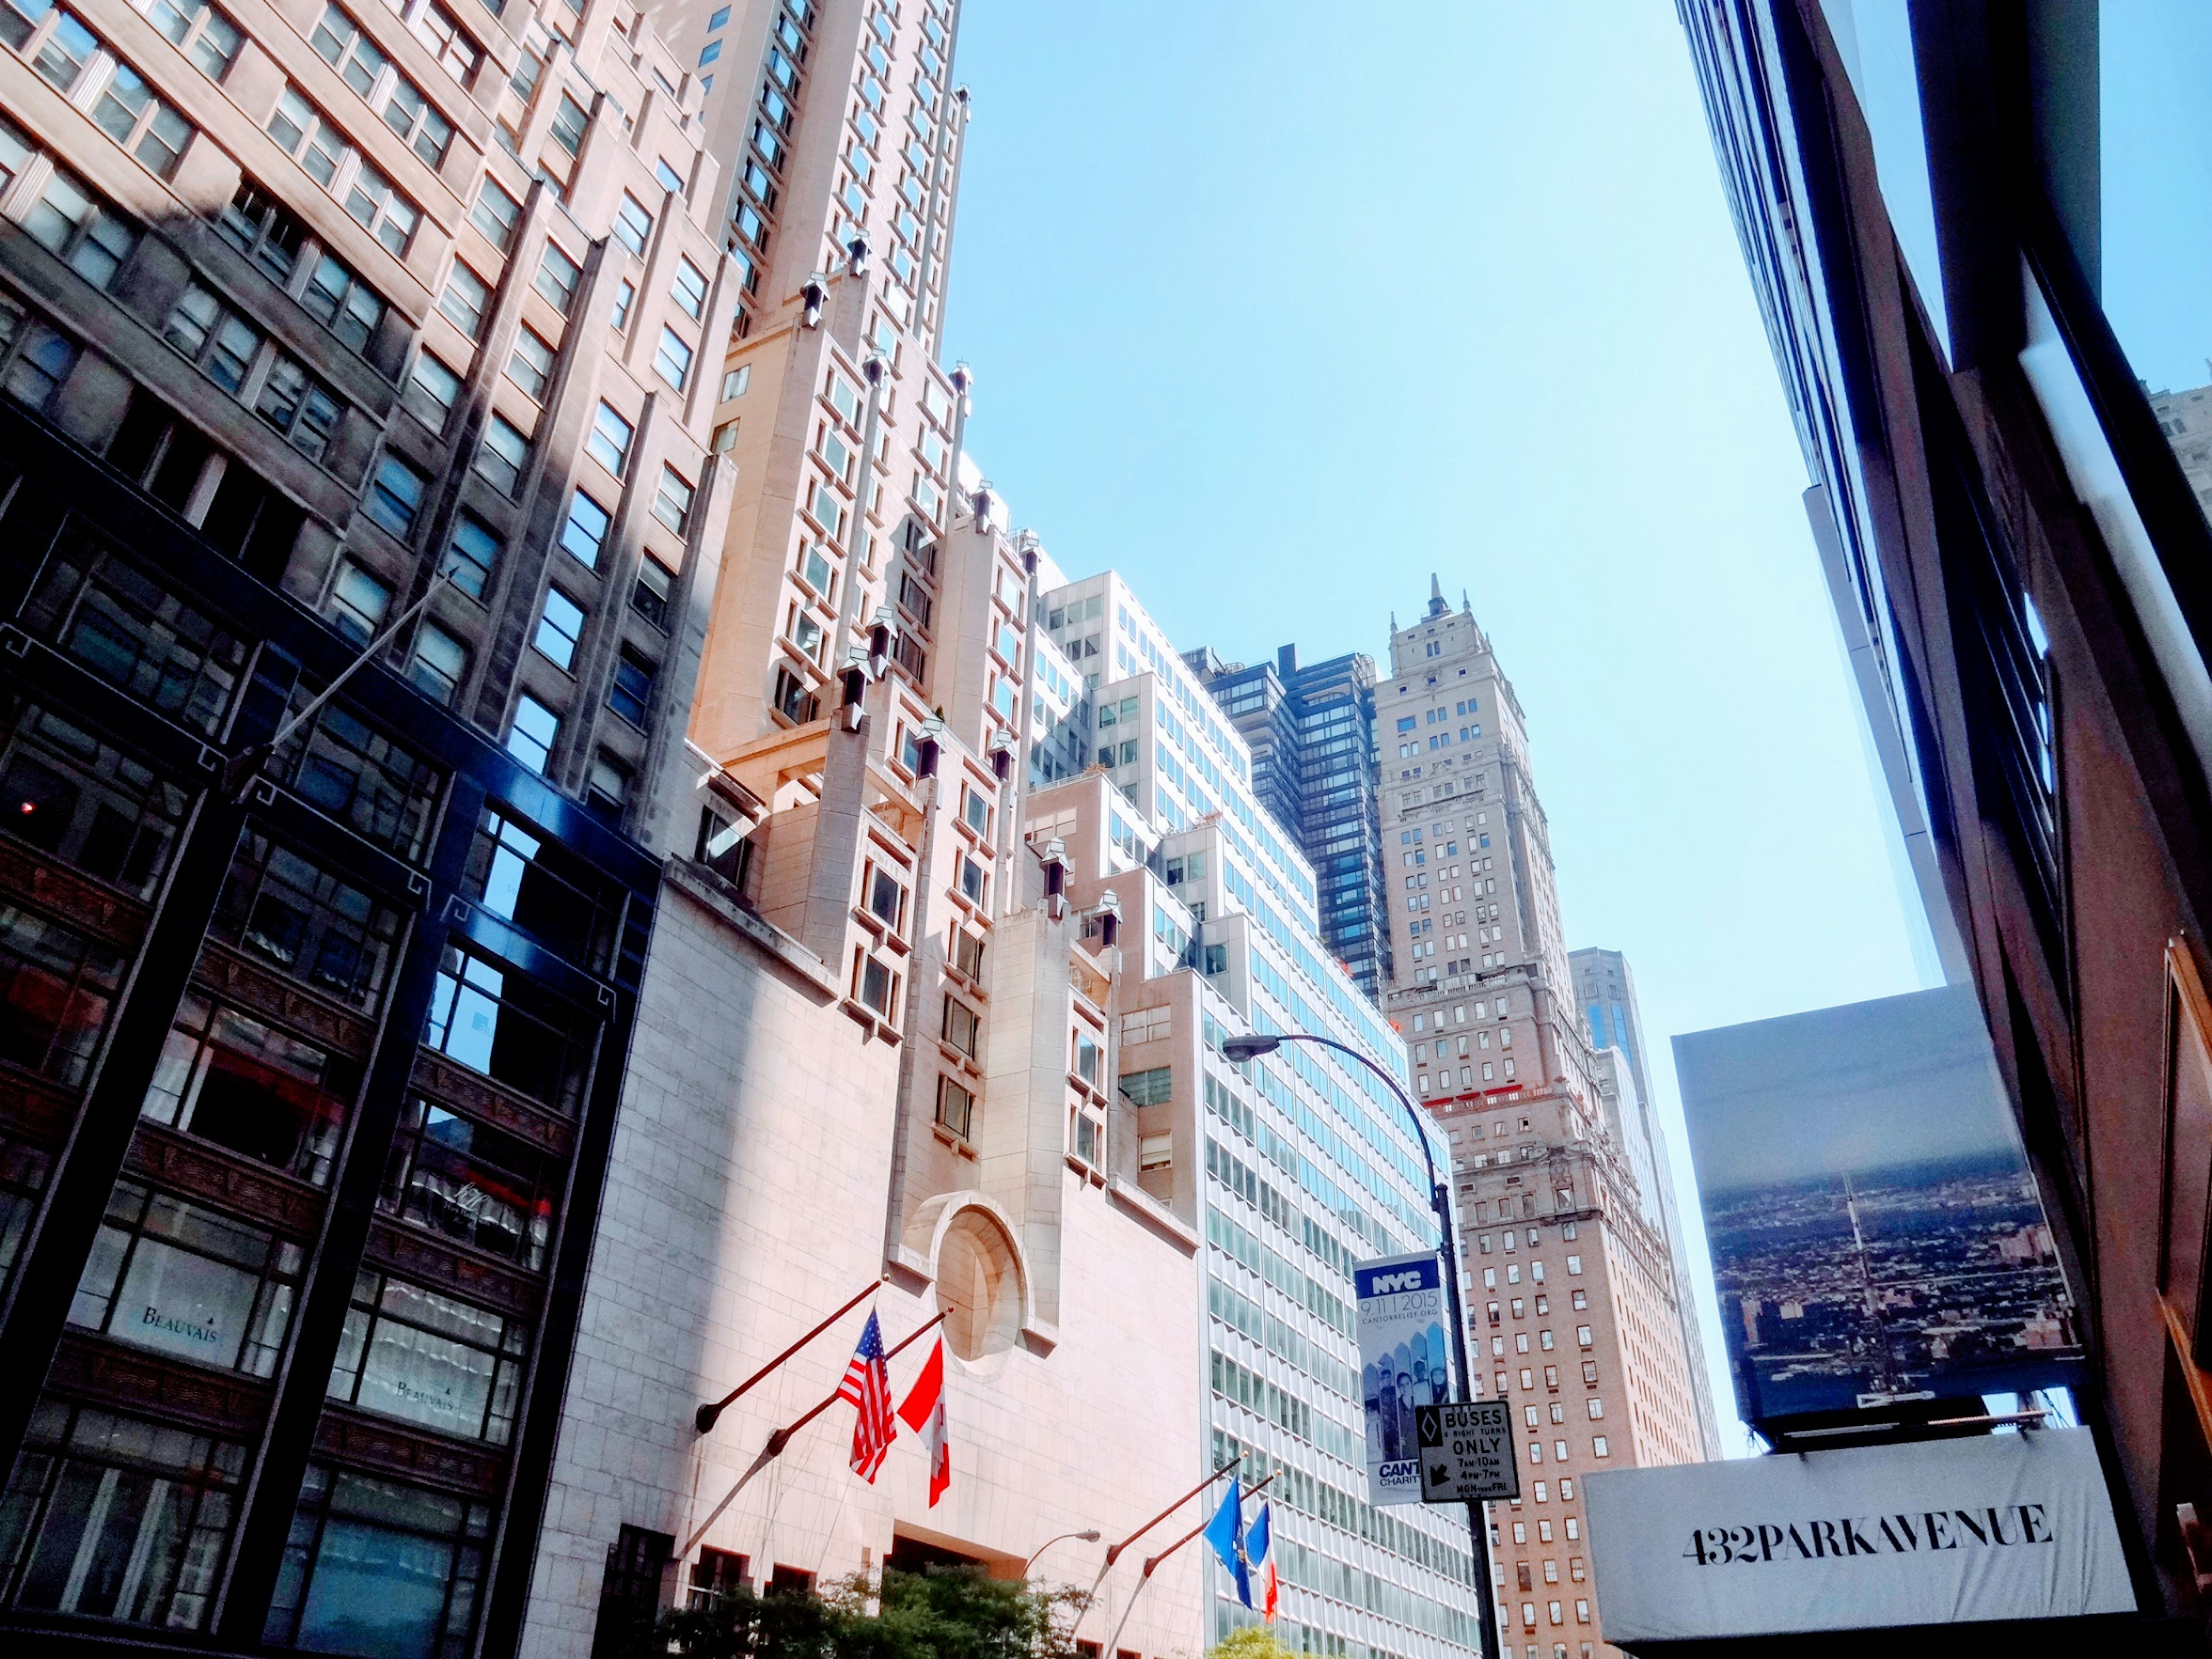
[
  {"x": 940, "y": 1614},
  {"x": 1250, "y": 1642}
]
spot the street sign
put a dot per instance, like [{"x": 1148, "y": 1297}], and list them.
[{"x": 1467, "y": 1452}]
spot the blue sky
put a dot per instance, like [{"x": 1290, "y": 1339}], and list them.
[{"x": 1277, "y": 309}]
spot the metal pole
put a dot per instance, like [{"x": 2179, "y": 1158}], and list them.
[
  {"x": 247, "y": 764},
  {"x": 1089, "y": 1536},
  {"x": 781, "y": 1437},
  {"x": 1153, "y": 1561},
  {"x": 1439, "y": 1201},
  {"x": 703, "y": 1419}
]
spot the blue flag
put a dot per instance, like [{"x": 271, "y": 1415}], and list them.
[{"x": 1225, "y": 1532}]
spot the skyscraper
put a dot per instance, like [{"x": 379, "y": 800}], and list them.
[
  {"x": 322, "y": 323},
  {"x": 1573, "y": 1301},
  {"x": 1311, "y": 732},
  {"x": 1605, "y": 986}
]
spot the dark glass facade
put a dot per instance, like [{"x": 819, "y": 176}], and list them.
[
  {"x": 1978, "y": 235},
  {"x": 1311, "y": 732},
  {"x": 307, "y": 1083}
]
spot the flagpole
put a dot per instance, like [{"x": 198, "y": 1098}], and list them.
[
  {"x": 781, "y": 1437},
  {"x": 704, "y": 1418},
  {"x": 1114, "y": 1551},
  {"x": 1153, "y": 1561}
]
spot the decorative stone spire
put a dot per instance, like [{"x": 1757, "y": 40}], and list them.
[{"x": 1437, "y": 605}]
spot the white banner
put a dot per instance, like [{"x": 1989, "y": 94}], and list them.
[
  {"x": 1942, "y": 1532},
  {"x": 1403, "y": 1364}
]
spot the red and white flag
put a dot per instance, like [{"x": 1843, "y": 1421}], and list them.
[
  {"x": 923, "y": 1412},
  {"x": 867, "y": 1384}
]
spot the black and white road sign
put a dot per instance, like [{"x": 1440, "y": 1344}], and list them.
[{"x": 1467, "y": 1452}]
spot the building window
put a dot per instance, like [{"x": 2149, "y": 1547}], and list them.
[
  {"x": 128, "y": 111},
  {"x": 503, "y": 1023},
  {"x": 629, "y": 1593},
  {"x": 416, "y": 1354},
  {"x": 432, "y": 391},
  {"x": 263, "y": 228},
  {"x": 875, "y": 985},
  {"x": 964, "y": 1026},
  {"x": 558, "y": 275},
  {"x": 672, "y": 502},
  {"x": 585, "y": 534},
  {"x": 358, "y": 602},
  {"x": 1154, "y": 1087},
  {"x": 485, "y": 1187},
  {"x": 395, "y": 496},
  {"x": 956, "y": 1107},
  {"x": 533, "y": 732},
  {"x": 717, "y": 1576},
  {"x": 463, "y": 300},
  {"x": 1155, "y": 1152},
  {"x": 560, "y": 625},
  {"x": 304, "y": 922},
  {"x": 374, "y": 1566},
  {"x": 495, "y": 214},
  {"x": 625, "y": 296},
  {"x": 203, "y": 33},
  {"x": 606, "y": 788},
  {"x": 74, "y": 225},
  {"x": 438, "y": 664},
  {"x": 649, "y": 597},
  {"x": 300, "y": 407},
  {"x": 672, "y": 361},
  {"x": 181, "y": 1280},
  {"x": 688, "y": 289},
  {"x": 78, "y": 799},
  {"x": 633, "y": 225},
  {"x": 471, "y": 555},
  {"x": 147, "y": 1508},
  {"x": 609, "y": 443},
  {"x": 629, "y": 692},
  {"x": 793, "y": 700},
  {"x": 504, "y": 454},
  {"x": 530, "y": 365},
  {"x": 569, "y": 121},
  {"x": 228, "y": 1077},
  {"x": 35, "y": 358}
]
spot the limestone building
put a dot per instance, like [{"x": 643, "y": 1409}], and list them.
[{"x": 1572, "y": 1298}]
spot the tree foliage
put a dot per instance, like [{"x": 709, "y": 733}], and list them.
[
  {"x": 1250, "y": 1642},
  {"x": 944, "y": 1612}
]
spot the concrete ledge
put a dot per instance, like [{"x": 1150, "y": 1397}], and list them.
[
  {"x": 714, "y": 895},
  {"x": 1155, "y": 1215}
]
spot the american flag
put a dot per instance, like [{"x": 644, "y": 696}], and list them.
[{"x": 867, "y": 1384}]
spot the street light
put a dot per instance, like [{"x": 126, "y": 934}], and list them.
[
  {"x": 1237, "y": 1050},
  {"x": 1090, "y": 1536}
]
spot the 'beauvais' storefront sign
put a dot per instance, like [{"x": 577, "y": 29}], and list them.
[{"x": 1944, "y": 1532}]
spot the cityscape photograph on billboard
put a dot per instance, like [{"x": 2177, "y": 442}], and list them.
[{"x": 1875, "y": 1234}]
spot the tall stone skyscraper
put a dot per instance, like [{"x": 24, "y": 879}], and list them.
[
  {"x": 1311, "y": 730},
  {"x": 1570, "y": 1283}
]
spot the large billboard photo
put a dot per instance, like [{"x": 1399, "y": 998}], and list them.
[
  {"x": 1403, "y": 1365},
  {"x": 1876, "y": 1235}
]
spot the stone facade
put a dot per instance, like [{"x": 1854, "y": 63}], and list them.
[{"x": 1576, "y": 1314}]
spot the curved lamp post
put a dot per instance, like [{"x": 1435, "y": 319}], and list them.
[
  {"x": 1238, "y": 1050},
  {"x": 1089, "y": 1535}
]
